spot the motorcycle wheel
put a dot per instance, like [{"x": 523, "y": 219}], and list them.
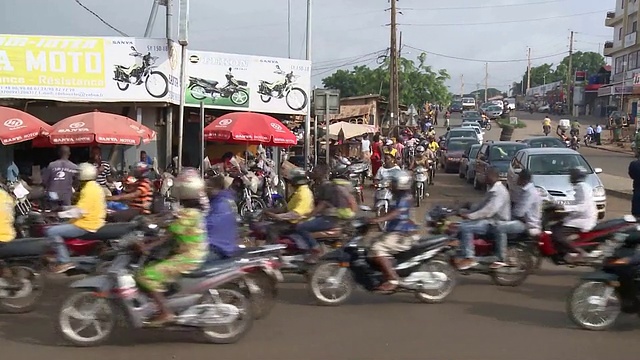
[
  {"x": 244, "y": 321},
  {"x": 380, "y": 211},
  {"x": 416, "y": 195},
  {"x": 305, "y": 99},
  {"x": 74, "y": 307},
  {"x": 123, "y": 86},
  {"x": 514, "y": 275},
  {"x": 317, "y": 283},
  {"x": 434, "y": 296},
  {"x": 25, "y": 299},
  {"x": 263, "y": 297},
  {"x": 244, "y": 210},
  {"x": 164, "y": 84},
  {"x": 239, "y": 97},
  {"x": 265, "y": 98},
  {"x": 198, "y": 92},
  {"x": 584, "y": 313}
]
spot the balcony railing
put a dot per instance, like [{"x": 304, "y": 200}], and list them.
[
  {"x": 611, "y": 14},
  {"x": 608, "y": 45}
]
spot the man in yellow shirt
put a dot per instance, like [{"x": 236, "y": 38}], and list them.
[
  {"x": 300, "y": 204},
  {"x": 7, "y": 204},
  {"x": 87, "y": 216}
]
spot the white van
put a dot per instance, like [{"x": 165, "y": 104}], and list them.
[
  {"x": 511, "y": 102},
  {"x": 468, "y": 103}
]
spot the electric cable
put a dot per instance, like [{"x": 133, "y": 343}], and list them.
[
  {"x": 507, "y": 21},
  {"x": 101, "y": 19},
  {"x": 486, "y": 60}
]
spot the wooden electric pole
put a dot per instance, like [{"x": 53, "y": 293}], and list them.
[
  {"x": 462, "y": 85},
  {"x": 570, "y": 75},
  {"x": 528, "y": 69},
  {"x": 393, "y": 68},
  {"x": 486, "y": 80}
]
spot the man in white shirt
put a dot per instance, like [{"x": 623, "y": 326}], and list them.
[
  {"x": 598, "y": 134},
  {"x": 494, "y": 208},
  {"x": 525, "y": 215},
  {"x": 582, "y": 219}
]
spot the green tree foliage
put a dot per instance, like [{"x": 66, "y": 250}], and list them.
[{"x": 419, "y": 82}]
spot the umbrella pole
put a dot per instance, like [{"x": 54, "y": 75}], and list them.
[
  {"x": 183, "y": 85},
  {"x": 202, "y": 148}
]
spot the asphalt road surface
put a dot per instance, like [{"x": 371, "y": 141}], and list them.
[{"x": 478, "y": 321}]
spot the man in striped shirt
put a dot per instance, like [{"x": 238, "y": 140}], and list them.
[{"x": 104, "y": 168}]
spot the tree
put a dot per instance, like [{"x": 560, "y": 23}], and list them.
[
  {"x": 419, "y": 82},
  {"x": 491, "y": 92},
  {"x": 540, "y": 75},
  {"x": 588, "y": 61}
]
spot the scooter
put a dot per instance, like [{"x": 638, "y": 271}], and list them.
[
  {"x": 420, "y": 181},
  {"x": 382, "y": 201}
]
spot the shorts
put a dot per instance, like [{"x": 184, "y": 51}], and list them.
[{"x": 392, "y": 243}]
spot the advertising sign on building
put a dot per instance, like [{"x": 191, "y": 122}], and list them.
[
  {"x": 88, "y": 69},
  {"x": 249, "y": 83}
]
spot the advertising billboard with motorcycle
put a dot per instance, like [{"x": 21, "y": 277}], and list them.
[
  {"x": 88, "y": 69},
  {"x": 244, "y": 82}
]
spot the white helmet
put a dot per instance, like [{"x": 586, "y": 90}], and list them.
[
  {"x": 401, "y": 180},
  {"x": 420, "y": 149},
  {"x": 188, "y": 185},
  {"x": 87, "y": 172}
]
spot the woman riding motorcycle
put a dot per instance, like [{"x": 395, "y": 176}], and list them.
[{"x": 187, "y": 230}]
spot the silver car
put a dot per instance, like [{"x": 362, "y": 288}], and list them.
[
  {"x": 549, "y": 168},
  {"x": 493, "y": 112}
]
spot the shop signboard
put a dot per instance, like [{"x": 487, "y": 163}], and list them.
[
  {"x": 248, "y": 83},
  {"x": 88, "y": 69}
]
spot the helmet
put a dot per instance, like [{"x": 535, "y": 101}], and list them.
[
  {"x": 420, "y": 149},
  {"x": 130, "y": 180},
  {"x": 140, "y": 169},
  {"x": 340, "y": 171},
  {"x": 87, "y": 172},
  {"x": 297, "y": 177},
  {"x": 188, "y": 185},
  {"x": 577, "y": 174},
  {"x": 389, "y": 142},
  {"x": 401, "y": 181}
]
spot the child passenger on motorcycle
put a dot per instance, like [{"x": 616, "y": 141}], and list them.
[
  {"x": 187, "y": 230},
  {"x": 398, "y": 236}
]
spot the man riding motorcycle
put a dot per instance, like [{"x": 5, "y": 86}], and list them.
[
  {"x": 187, "y": 231},
  {"x": 87, "y": 216},
  {"x": 398, "y": 236},
  {"x": 7, "y": 205},
  {"x": 421, "y": 159},
  {"x": 298, "y": 208},
  {"x": 546, "y": 125},
  {"x": 222, "y": 227},
  {"x": 139, "y": 197},
  {"x": 494, "y": 209},
  {"x": 385, "y": 172},
  {"x": 583, "y": 218}
]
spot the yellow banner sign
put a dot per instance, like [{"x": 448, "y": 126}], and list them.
[{"x": 74, "y": 62}]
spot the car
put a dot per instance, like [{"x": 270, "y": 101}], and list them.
[
  {"x": 497, "y": 154},
  {"x": 544, "y": 141},
  {"x": 493, "y": 112},
  {"x": 461, "y": 132},
  {"x": 549, "y": 168},
  {"x": 452, "y": 152},
  {"x": 456, "y": 107},
  {"x": 475, "y": 126},
  {"x": 468, "y": 163},
  {"x": 471, "y": 114},
  {"x": 476, "y": 120},
  {"x": 468, "y": 103},
  {"x": 544, "y": 109},
  {"x": 485, "y": 106}
]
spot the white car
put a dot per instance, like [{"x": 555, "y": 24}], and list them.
[{"x": 475, "y": 126}]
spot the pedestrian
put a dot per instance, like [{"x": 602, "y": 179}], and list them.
[
  {"x": 634, "y": 174},
  {"x": 365, "y": 149},
  {"x": 598, "y": 134},
  {"x": 435, "y": 116},
  {"x": 104, "y": 170},
  {"x": 59, "y": 176},
  {"x": 145, "y": 158}
]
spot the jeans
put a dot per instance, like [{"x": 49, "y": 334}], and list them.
[
  {"x": 58, "y": 233},
  {"x": 320, "y": 223},
  {"x": 466, "y": 230},
  {"x": 503, "y": 229}
]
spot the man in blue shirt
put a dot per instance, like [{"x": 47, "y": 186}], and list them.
[
  {"x": 222, "y": 227},
  {"x": 398, "y": 236},
  {"x": 12, "y": 172}
]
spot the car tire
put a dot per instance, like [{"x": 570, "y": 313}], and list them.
[
  {"x": 469, "y": 177},
  {"x": 601, "y": 215},
  {"x": 476, "y": 184}
]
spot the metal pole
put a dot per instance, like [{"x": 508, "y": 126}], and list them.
[
  {"x": 393, "y": 68},
  {"x": 315, "y": 141},
  {"x": 289, "y": 28},
  {"x": 169, "y": 119},
  {"x": 326, "y": 123},
  {"x": 169, "y": 20},
  {"x": 203, "y": 146},
  {"x": 307, "y": 120},
  {"x": 570, "y": 76},
  {"x": 183, "y": 86},
  {"x": 152, "y": 18}
]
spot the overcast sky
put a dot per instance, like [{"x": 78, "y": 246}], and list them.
[{"x": 350, "y": 32}]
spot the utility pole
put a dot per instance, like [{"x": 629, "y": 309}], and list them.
[
  {"x": 462, "y": 85},
  {"x": 393, "y": 68},
  {"x": 307, "y": 119},
  {"x": 528, "y": 69},
  {"x": 486, "y": 80},
  {"x": 569, "y": 75}
]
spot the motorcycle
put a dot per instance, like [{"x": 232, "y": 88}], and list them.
[
  {"x": 144, "y": 71},
  {"x": 382, "y": 201},
  {"x": 356, "y": 184},
  {"x": 21, "y": 282},
  {"x": 420, "y": 181},
  {"x": 422, "y": 270},
  {"x": 234, "y": 90},
  {"x": 269, "y": 194},
  {"x": 203, "y": 300},
  {"x": 575, "y": 143},
  {"x": 599, "y": 298},
  {"x": 588, "y": 140},
  {"x": 20, "y": 195},
  {"x": 546, "y": 129},
  {"x": 283, "y": 89},
  {"x": 519, "y": 263},
  {"x": 433, "y": 164}
]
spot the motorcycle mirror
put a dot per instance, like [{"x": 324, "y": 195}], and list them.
[
  {"x": 133, "y": 48},
  {"x": 230, "y": 69},
  {"x": 278, "y": 67}
]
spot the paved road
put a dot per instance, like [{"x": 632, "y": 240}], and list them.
[{"x": 478, "y": 321}]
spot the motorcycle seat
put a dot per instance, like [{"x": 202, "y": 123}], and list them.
[
  {"x": 211, "y": 267},
  {"x": 610, "y": 224},
  {"x": 110, "y": 231},
  {"x": 25, "y": 247},
  {"x": 426, "y": 242},
  {"x": 331, "y": 233},
  {"x": 213, "y": 83},
  {"x": 268, "y": 83}
]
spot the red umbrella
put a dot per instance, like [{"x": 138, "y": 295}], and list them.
[
  {"x": 18, "y": 126},
  {"x": 101, "y": 128},
  {"x": 248, "y": 127}
]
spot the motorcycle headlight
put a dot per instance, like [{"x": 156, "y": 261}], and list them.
[
  {"x": 543, "y": 193},
  {"x": 599, "y": 191}
]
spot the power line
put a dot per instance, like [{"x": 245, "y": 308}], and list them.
[
  {"x": 509, "y": 21},
  {"x": 329, "y": 63},
  {"x": 349, "y": 63},
  {"x": 101, "y": 19},
  {"x": 486, "y": 6},
  {"x": 485, "y": 60}
]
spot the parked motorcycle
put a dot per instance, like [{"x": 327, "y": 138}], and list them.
[
  {"x": 420, "y": 183},
  {"x": 597, "y": 301},
  {"x": 382, "y": 201},
  {"x": 143, "y": 71},
  {"x": 203, "y": 300},
  {"x": 422, "y": 270},
  {"x": 295, "y": 97},
  {"x": 235, "y": 90}
]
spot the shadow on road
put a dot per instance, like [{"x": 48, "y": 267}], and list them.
[
  {"x": 540, "y": 291},
  {"x": 519, "y": 314}
]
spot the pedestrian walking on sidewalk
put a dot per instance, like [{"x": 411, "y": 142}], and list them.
[
  {"x": 598, "y": 134},
  {"x": 634, "y": 174}
]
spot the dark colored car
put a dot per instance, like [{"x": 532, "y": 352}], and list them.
[
  {"x": 544, "y": 141},
  {"x": 456, "y": 107},
  {"x": 451, "y": 154},
  {"x": 496, "y": 154},
  {"x": 461, "y": 132},
  {"x": 471, "y": 114}
]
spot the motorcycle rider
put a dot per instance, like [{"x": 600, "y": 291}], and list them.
[
  {"x": 7, "y": 205},
  {"x": 389, "y": 148},
  {"x": 222, "y": 227},
  {"x": 546, "y": 124},
  {"x": 494, "y": 209},
  {"x": 139, "y": 197},
  {"x": 421, "y": 159},
  {"x": 187, "y": 231},
  {"x": 299, "y": 207},
  {"x": 335, "y": 202},
  {"x": 589, "y": 136},
  {"x": 398, "y": 236},
  {"x": 87, "y": 216},
  {"x": 525, "y": 216},
  {"x": 575, "y": 128},
  {"x": 583, "y": 218},
  {"x": 385, "y": 172}
]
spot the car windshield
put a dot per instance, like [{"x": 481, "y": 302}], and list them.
[
  {"x": 504, "y": 152},
  {"x": 472, "y": 114},
  {"x": 556, "y": 164},
  {"x": 460, "y": 145},
  {"x": 549, "y": 142},
  {"x": 494, "y": 108},
  {"x": 470, "y": 124},
  {"x": 474, "y": 152},
  {"x": 462, "y": 133}
]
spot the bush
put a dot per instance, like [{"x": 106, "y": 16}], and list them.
[{"x": 504, "y": 123}]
